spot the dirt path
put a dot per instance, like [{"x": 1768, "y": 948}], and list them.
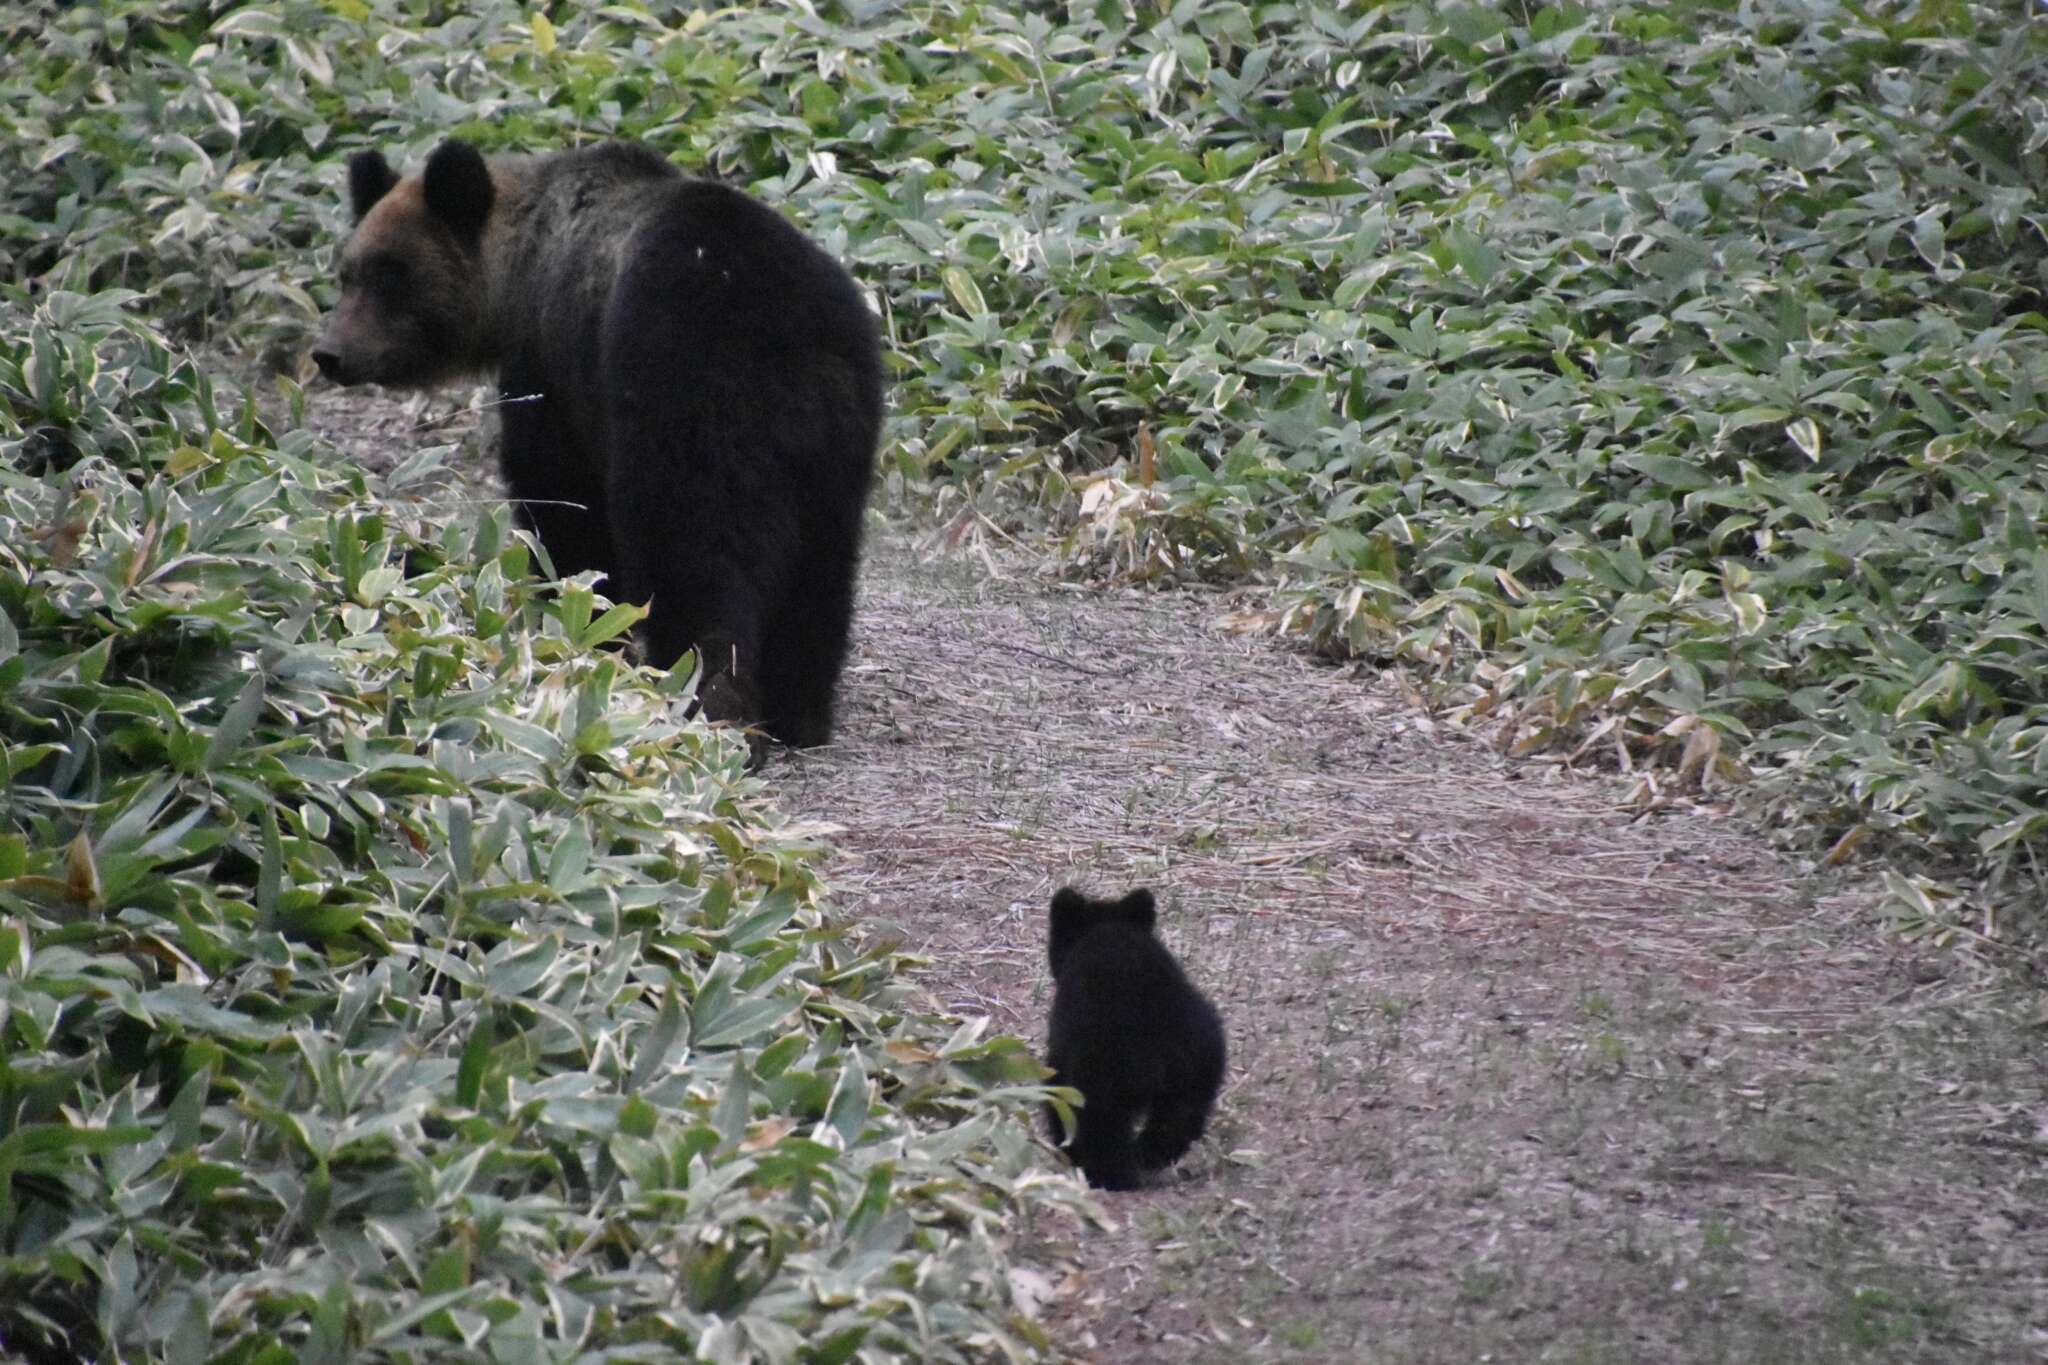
[{"x": 1515, "y": 1075}]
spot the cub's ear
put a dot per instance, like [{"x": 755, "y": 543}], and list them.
[
  {"x": 370, "y": 178},
  {"x": 1067, "y": 923},
  {"x": 459, "y": 189},
  {"x": 1137, "y": 908}
]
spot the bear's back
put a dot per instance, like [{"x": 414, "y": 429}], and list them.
[
  {"x": 576, "y": 210},
  {"x": 601, "y": 232},
  {"x": 1120, "y": 975}
]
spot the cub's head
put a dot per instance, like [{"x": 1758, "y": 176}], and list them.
[
  {"x": 412, "y": 275},
  {"x": 1074, "y": 914}
]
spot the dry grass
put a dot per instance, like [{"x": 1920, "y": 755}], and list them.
[{"x": 1518, "y": 1072}]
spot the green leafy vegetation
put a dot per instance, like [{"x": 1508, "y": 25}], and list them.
[
  {"x": 1667, "y": 378},
  {"x": 385, "y": 970},
  {"x": 382, "y": 964}
]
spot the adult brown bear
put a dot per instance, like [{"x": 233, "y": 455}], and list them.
[{"x": 693, "y": 392}]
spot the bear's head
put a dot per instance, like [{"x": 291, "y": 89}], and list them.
[
  {"x": 1074, "y": 914},
  {"x": 413, "y": 293}
]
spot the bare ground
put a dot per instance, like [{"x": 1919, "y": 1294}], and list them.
[{"x": 1517, "y": 1072}]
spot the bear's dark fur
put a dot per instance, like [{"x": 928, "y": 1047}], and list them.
[
  {"x": 692, "y": 393},
  {"x": 1129, "y": 1032}
]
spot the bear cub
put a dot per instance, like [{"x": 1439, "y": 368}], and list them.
[
  {"x": 1132, "y": 1034},
  {"x": 691, "y": 393}
]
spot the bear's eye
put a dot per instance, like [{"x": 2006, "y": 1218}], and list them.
[{"x": 387, "y": 274}]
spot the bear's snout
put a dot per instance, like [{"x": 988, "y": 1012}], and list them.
[
  {"x": 365, "y": 344},
  {"x": 331, "y": 367}
]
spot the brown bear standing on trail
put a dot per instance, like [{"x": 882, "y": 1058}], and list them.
[{"x": 693, "y": 392}]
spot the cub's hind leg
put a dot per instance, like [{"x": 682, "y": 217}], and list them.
[{"x": 1171, "y": 1128}]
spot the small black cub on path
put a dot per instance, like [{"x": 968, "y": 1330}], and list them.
[
  {"x": 1131, "y": 1034},
  {"x": 694, "y": 392}
]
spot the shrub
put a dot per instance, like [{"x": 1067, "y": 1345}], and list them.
[{"x": 386, "y": 971}]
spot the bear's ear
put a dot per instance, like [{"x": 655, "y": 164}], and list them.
[
  {"x": 459, "y": 189},
  {"x": 370, "y": 178},
  {"x": 1071, "y": 917},
  {"x": 1137, "y": 908}
]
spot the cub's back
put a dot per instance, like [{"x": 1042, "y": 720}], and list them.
[{"x": 1123, "y": 976}]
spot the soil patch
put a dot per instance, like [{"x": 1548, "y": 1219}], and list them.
[{"x": 1517, "y": 1072}]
